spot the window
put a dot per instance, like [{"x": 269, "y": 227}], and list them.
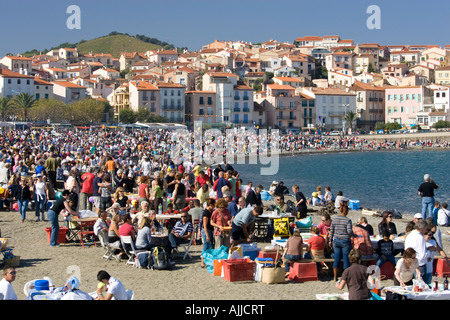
[
  {"x": 201, "y": 100},
  {"x": 209, "y": 100}
]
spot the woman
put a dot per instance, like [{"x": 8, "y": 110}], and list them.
[
  {"x": 23, "y": 197},
  {"x": 405, "y": 269},
  {"x": 221, "y": 218},
  {"x": 158, "y": 191},
  {"x": 144, "y": 235},
  {"x": 113, "y": 231},
  {"x": 386, "y": 224},
  {"x": 356, "y": 278},
  {"x": 105, "y": 192},
  {"x": 127, "y": 229},
  {"x": 121, "y": 199},
  {"x": 206, "y": 227},
  {"x": 316, "y": 245},
  {"x": 179, "y": 193},
  {"x": 341, "y": 232},
  {"x": 293, "y": 250},
  {"x": 40, "y": 197},
  {"x": 53, "y": 213},
  {"x": 144, "y": 189}
]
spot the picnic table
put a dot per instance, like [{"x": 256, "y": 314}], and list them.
[{"x": 409, "y": 293}]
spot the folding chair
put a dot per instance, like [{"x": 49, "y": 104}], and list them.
[
  {"x": 196, "y": 223},
  {"x": 131, "y": 254},
  {"x": 187, "y": 246},
  {"x": 86, "y": 230},
  {"x": 109, "y": 250},
  {"x": 72, "y": 231}
]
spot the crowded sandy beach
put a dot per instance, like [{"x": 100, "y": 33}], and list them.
[{"x": 187, "y": 280}]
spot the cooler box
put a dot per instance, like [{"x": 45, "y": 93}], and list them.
[
  {"x": 442, "y": 268},
  {"x": 353, "y": 204},
  {"x": 302, "y": 272},
  {"x": 61, "y": 234},
  {"x": 238, "y": 269},
  {"x": 269, "y": 254},
  {"x": 249, "y": 250}
]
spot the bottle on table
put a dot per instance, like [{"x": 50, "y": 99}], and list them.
[
  {"x": 160, "y": 209},
  {"x": 435, "y": 287},
  {"x": 446, "y": 284}
]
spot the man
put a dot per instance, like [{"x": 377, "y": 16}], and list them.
[
  {"x": 426, "y": 192},
  {"x": 232, "y": 206},
  {"x": 243, "y": 223},
  {"x": 87, "y": 185},
  {"x": 196, "y": 211},
  {"x": 181, "y": 232},
  {"x": 416, "y": 240},
  {"x": 219, "y": 184},
  {"x": 115, "y": 288},
  {"x": 254, "y": 196},
  {"x": 170, "y": 182},
  {"x": 443, "y": 215},
  {"x": 51, "y": 165},
  {"x": 202, "y": 178},
  {"x": 6, "y": 288},
  {"x": 300, "y": 202}
]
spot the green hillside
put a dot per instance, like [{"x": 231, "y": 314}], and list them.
[{"x": 114, "y": 45}]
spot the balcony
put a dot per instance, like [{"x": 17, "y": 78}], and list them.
[
  {"x": 167, "y": 107},
  {"x": 246, "y": 110},
  {"x": 245, "y": 98},
  {"x": 287, "y": 118},
  {"x": 237, "y": 98},
  {"x": 336, "y": 114},
  {"x": 359, "y": 99},
  {"x": 237, "y": 110}
]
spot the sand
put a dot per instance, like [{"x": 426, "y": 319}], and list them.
[{"x": 186, "y": 282}]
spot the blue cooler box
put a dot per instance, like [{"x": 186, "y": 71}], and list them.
[{"x": 353, "y": 204}]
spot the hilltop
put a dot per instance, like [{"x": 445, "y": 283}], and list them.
[{"x": 114, "y": 44}]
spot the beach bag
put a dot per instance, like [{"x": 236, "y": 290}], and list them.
[
  {"x": 210, "y": 255},
  {"x": 272, "y": 275},
  {"x": 304, "y": 223},
  {"x": 159, "y": 259}
]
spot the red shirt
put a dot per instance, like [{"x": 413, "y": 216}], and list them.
[
  {"x": 88, "y": 184},
  {"x": 316, "y": 243},
  {"x": 201, "y": 180},
  {"x": 126, "y": 229}
]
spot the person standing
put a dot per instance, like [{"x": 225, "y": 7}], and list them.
[
  {"x": 416, "y": 240},
  {"x": 426, "y": 192},
  {"x": 40, "y": 197},
  {"x": 23, "y": 197},
  {"x": 51, "y": 164},
  {"x": 6, "y": 288},
  {"x": 341, "y": 232},
  {"x": 300, "y": 202},
  {"x": 53, "y": 213},
  {"x": 87, "y": 189}
]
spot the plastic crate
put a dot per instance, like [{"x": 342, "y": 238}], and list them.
[
  {"x": 303, "y": 271},
  {"x": 61, "y": 234},
  {"x": 238, "y": 269},
  {"x": 272, "y": 255},
  {"x": 442, "y": 268},
  {"x": 353, "y": 204}
]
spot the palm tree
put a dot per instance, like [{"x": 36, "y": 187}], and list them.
[
  {"x": 5, "y": 104},
  {"x": 350, "y": 117},
  {"x": 24, "y": 102}
]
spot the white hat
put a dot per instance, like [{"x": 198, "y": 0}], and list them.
[{"x": 418, "y": 216}]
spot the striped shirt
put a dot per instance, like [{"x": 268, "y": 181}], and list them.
[
  {"x": 341, "y": 228},
  {"x": 183, "y": 228}
]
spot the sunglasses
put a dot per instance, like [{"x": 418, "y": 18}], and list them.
[{"x": 184, "y": 216}]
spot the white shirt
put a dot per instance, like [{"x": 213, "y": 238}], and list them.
[
  {"x": 7, "y": 290},
  {"x": 430, "y": 254},
  {"x": 442, "y": 218},
  {"x": 416, "y": 241},
  {"x": 116, "y": 288}
]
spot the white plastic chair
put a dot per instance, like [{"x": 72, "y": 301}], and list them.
[
  {"x": 132, "y": 254},
  {"x": 108, "y": 248},
  {"x": 187, "y": 246}
]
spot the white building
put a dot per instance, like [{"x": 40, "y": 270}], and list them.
[{"x": 14, "y": 83}]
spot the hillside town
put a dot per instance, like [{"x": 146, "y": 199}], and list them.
[{"x": 312, "y": 83}]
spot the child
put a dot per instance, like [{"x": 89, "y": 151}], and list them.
[
  {"x": 437, "y": 206},
  {"x": 385, "y": 250}
]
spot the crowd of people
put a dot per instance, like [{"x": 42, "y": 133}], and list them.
[{"x": 97, "y": 170}]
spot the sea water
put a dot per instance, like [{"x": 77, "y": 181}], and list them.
[{"x": 380, "y": 180}]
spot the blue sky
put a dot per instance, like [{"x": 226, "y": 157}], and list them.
[{"x": 40, "y": 25}]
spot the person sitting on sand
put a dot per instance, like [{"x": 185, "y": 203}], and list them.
[{"x": 115, "y": 288}]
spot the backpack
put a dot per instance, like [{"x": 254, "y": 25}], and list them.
[{"x": 159, "y": 259}]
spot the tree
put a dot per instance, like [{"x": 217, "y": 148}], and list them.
[
  {"x": 24, "y": 102},
  {"x": 370, "y": 68},
  {"x": 127, "y": 116},
  {"x": 53, "y": 109},
  {"x": 87, "y": 111},
  {"x": 380, "y": 126},
  {"x": 441, "y": 124},
  {"x": 393, "y": 126},
  {"x": 5, "y": 107},
  {"x": 350, "y": 117}
]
